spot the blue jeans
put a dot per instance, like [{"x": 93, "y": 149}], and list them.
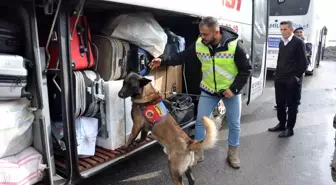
[{"x": 233, "y": 113}]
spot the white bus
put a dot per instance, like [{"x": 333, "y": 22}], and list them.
[
  {"x": 302, "y": 13},
  {"x": 247, "y": 17}
]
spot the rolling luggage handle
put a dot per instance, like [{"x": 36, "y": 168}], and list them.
[
  {"x": 123, "y": 59},
  {"x": 80, "y": 31},
  {"x": 86, "y": 40},
  {"x": 101, "y": 98},
  {"x": 94, "y": 91}
]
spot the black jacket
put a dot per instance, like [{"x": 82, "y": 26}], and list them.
[
  {"x": 241, "y": 58},
  {"x": 292, "y": 60}
]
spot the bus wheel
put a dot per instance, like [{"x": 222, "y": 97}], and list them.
[
  {"x": 309, "y": 73},
  {"x": 219, "y": 114}
]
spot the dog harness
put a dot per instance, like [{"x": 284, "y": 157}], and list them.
[{"x": 154, "y": 112}]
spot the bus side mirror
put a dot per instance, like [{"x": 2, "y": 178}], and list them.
[{"x": 281, "y": 1}]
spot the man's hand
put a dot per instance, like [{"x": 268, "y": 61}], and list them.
[
  {"x": 156, "y": 62},
  {"x": 228, "y": 93}
]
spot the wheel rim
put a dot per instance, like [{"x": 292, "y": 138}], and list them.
[{"x": 221, "y": 108}]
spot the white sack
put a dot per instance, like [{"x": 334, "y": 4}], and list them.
[
  {"x": 24, "y": 168},
  {"x": 140, "y": 29},
  {"x": 16, "y": 132}
]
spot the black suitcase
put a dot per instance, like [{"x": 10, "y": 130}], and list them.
[
  {"x": 10, "y": 38},
  {"x": 138, "y": 60}
]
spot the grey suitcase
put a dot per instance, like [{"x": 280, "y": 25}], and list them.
[
  {"x": 13, "y": 77},
  {"x": 111, "y": 57}
]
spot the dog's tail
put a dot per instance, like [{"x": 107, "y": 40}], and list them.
[{"x": 210, "y": 137}]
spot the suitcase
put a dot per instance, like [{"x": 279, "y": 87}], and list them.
[
  {"x": 81, "y": 46},
  {"x": 111, "y": 58},
  {"x": 13, "y": 77},
  {"x": 10, "y": 38},
  {"x": 138, "y": 60},
  {"x": 88, "y": 91}
]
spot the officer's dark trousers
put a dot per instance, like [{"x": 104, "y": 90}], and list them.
[{"x": 287, "y": 93}]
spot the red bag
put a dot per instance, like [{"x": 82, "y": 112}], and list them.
[{"x": 81, "y": 51}]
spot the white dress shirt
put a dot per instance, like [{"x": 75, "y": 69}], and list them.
[{"x": 288, "y": 40}]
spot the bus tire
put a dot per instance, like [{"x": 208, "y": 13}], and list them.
[{"x": 309, "y": 73}]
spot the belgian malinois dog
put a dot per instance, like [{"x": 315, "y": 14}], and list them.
[{"x": 177, "y": 144}]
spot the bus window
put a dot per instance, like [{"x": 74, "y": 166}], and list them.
[{"x": 290, "y": 7}]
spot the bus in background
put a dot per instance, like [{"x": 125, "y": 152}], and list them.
[{"x": 303, "y": 13}]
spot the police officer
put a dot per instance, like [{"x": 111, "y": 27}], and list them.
[
  {"x": 226, "y": 68},
  {"x": 299, "y": 32}
]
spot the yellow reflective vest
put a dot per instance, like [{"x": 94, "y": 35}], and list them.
[{"x": 219, "y": 70}]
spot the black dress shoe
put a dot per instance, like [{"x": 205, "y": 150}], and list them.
[
  {"x": 279, "y": 127},
  {"x": 287, "y": 133}
]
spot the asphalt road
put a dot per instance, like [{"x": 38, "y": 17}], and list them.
[{"x": 303, "y": 159}]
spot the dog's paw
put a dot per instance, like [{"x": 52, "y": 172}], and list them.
[{"x": 125, "y": 148}]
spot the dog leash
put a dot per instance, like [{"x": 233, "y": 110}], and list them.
[{"x": 188, "y": 94}]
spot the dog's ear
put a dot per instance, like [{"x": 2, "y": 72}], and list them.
[{"x": 144, "y": 81}]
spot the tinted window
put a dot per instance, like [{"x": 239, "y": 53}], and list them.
[{"x": 289, "y": 7}]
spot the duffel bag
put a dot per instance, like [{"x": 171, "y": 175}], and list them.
[{"x": 181, "y": 108}]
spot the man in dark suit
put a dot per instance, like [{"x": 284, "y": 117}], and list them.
[{"x": 291, "y": 65}]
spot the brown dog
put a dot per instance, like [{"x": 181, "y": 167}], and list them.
[{"x": 149, "y": 114}]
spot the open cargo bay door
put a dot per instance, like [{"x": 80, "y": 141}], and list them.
[{"x": 259, "y": 49}]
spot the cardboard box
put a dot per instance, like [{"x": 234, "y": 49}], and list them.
[
  {"x": 174, "y": 80},
  {"x": 167, "y": 79}
]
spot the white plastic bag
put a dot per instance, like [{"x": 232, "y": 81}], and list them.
[
  {"x": 24, "y": 168},
  {"x": 16, "y": 132},
  {"x": 140, "y": 29},
  {"x": 86, "y": 135}
]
